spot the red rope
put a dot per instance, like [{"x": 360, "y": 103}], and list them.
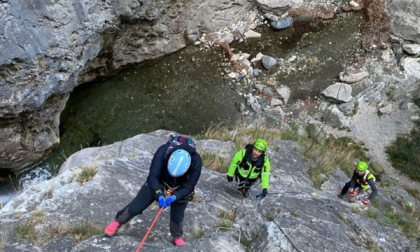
[{"x": 150, "y": 228}]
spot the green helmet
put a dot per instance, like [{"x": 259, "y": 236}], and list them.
[
  {"x": 260, "y": 144},
  {"x": 362, "y": 166}
]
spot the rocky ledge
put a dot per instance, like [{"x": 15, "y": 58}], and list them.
[{"x": 56, "y": 214}]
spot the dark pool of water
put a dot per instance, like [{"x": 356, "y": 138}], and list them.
[{"x": 183, "y": 92}]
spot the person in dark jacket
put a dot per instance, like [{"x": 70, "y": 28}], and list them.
[
  {"x": 174, "y": 172},
  {"x": 361, "y": 180}
]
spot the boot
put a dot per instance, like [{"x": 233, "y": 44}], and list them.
[
  {"x": 179, "y": 242},
  {"x": 112, "y": 228},
  {"x": 245, "y": 193}
]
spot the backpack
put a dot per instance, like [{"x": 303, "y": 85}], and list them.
[
  {"x": 176, "y": 140},
  {"x": 377, "y": 170}
]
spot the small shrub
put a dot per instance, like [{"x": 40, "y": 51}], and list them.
[
  {"x": 225, "y": 224},
  {"x": 355, "y": 108},
  {"x": 86, "y": 175},
  {"x": 371, "y": 213},
  {"x": 199, "y": 234},
  {"x": 84, "y": 231},
  {"x": 296, "y": 213},
  {"x": 231, "y": 216},
  {"x": 25, "y": 231},
  {"x": 50, "y": 193}
]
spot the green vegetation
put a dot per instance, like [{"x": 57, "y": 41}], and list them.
[
  {"x": 83, "y": 231},
  {"x": 240, "y": 134},
  {"x": 226, "y": 219},
  {"x": 406, "y": 222},
  {"x": 199, "y": 234},
  {"x": 29, "y": 232},
  {"x": 224, "y": 224},
  {"x": 404, "y": 153},
  {"x": 296, "y": 213},
  {"x": 333, "y": 154},
  {"x": 214, "y": 162},
  {"x": 86, "y": 175},
  {"x": 25, "y": 231}
]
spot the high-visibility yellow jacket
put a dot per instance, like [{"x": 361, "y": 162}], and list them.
[{"x": 246, "y": 168}]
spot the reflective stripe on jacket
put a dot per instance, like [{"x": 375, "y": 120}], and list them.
[{"x": 261, "y": 168}]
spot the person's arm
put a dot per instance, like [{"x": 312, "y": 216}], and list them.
[
  {"x": 374, "y": 192},
  {"x": 188, "y": 186},
  {"x": 265, "y": 174},
  {"x": 353, "y": 180},
  {"x": 155, "y": 171},
  {"x": 235, "y": 162}
]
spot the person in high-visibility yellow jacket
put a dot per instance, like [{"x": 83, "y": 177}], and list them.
[
  {"x": 362, "y": 180},
  {"x": 250, "y": 164}
]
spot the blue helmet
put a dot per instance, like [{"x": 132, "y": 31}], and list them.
[{"x": 178, "y": 163}]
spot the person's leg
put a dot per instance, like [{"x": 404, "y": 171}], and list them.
[
  {"x": 177, "y": 221},
  {"x": 142, "y": 200},
  {"x": 345, "y": 188},
  {"x": 241, "y": 183},
  {"x": 247, "y": 186}
]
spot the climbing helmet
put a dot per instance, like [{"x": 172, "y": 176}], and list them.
[
  {"x": 362, "y": 166},
  {"x": 179, "y": 162},
  {"x": 260, "y": 144}
]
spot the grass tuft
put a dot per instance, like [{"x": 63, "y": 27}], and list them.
[
  {"x": 86, "y": 175},
  {"x": 214, "y": 162}
]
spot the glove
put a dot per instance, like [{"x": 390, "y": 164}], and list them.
[
  {"x": 351, "y": 192},
  {"x": 162, "y": 202},
  {"x": 229, "y": 178},
  {"x": 366, "y": 202},
  {"x": 170, "y": 200},
  {"x": 262, "y": 194}
]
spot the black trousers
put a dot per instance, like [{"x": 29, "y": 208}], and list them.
[
  {"x": 144, "y": 199},
  {"x": 347, "y": 187}
]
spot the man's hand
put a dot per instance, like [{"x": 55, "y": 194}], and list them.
[
  {"x": 366, "y": 202},
  {"x": 170, "y": 200},
  {"x": 162, "y": 202},
  {"x": 351, "y": 192},
  {"x": 229, "y": 178},
  {"x": 262, "y": 194}
]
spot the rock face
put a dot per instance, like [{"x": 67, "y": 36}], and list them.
[
  {"x": 294, "y": 215},
  {"x": 48, "y": 48},
  {"x": 405, "y": 18}
]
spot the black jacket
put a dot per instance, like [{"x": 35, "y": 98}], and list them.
[{"x": 159, "y": 174}]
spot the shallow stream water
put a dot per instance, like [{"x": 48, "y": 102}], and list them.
[{"x": 188, "y": 90}]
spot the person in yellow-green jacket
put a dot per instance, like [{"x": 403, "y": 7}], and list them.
[
  {"x": 362, "y": 180},
  {"x": 250, "y": 164}
]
